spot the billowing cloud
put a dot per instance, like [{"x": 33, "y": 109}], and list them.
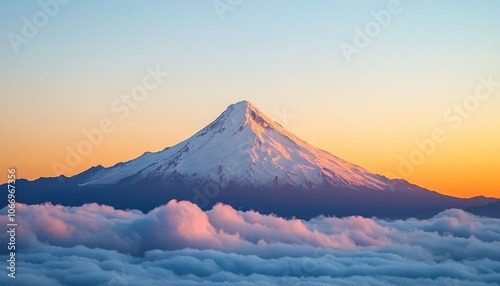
[{"x": 179, "y": 244}]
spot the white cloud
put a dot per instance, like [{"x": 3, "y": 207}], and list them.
[{"x": 180, "y": 244}]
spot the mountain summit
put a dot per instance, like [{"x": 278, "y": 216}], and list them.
[
  {"x": 247, "y": 148},
  {"x": 246, "y": 160}
]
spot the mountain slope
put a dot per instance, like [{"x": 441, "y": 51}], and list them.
[
  {"x": 491, "y": 210},
  {"x": 246, "y": 160}
]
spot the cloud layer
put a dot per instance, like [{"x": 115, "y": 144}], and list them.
[{"x": 180, "y": 244}]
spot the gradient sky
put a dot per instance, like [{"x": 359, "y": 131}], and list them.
[{"x": 280, "y": 55}]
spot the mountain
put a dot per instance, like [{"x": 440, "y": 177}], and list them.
[
  {"x": 247, "y": 160},
  {"x": 249, "y": 149},
  {"x": 491, "y": 210}
]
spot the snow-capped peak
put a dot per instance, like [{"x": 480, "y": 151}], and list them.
[
  {"x": 239, "y": 116},
  {"x": 245, "y": 147}
]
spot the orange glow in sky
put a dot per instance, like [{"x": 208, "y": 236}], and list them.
[{"x": 416, "y": 81}]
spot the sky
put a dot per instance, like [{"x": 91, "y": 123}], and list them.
[{"x": 406, "y": 89}]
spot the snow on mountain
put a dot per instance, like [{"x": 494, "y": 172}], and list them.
[{"x": 245, "y": 147}]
